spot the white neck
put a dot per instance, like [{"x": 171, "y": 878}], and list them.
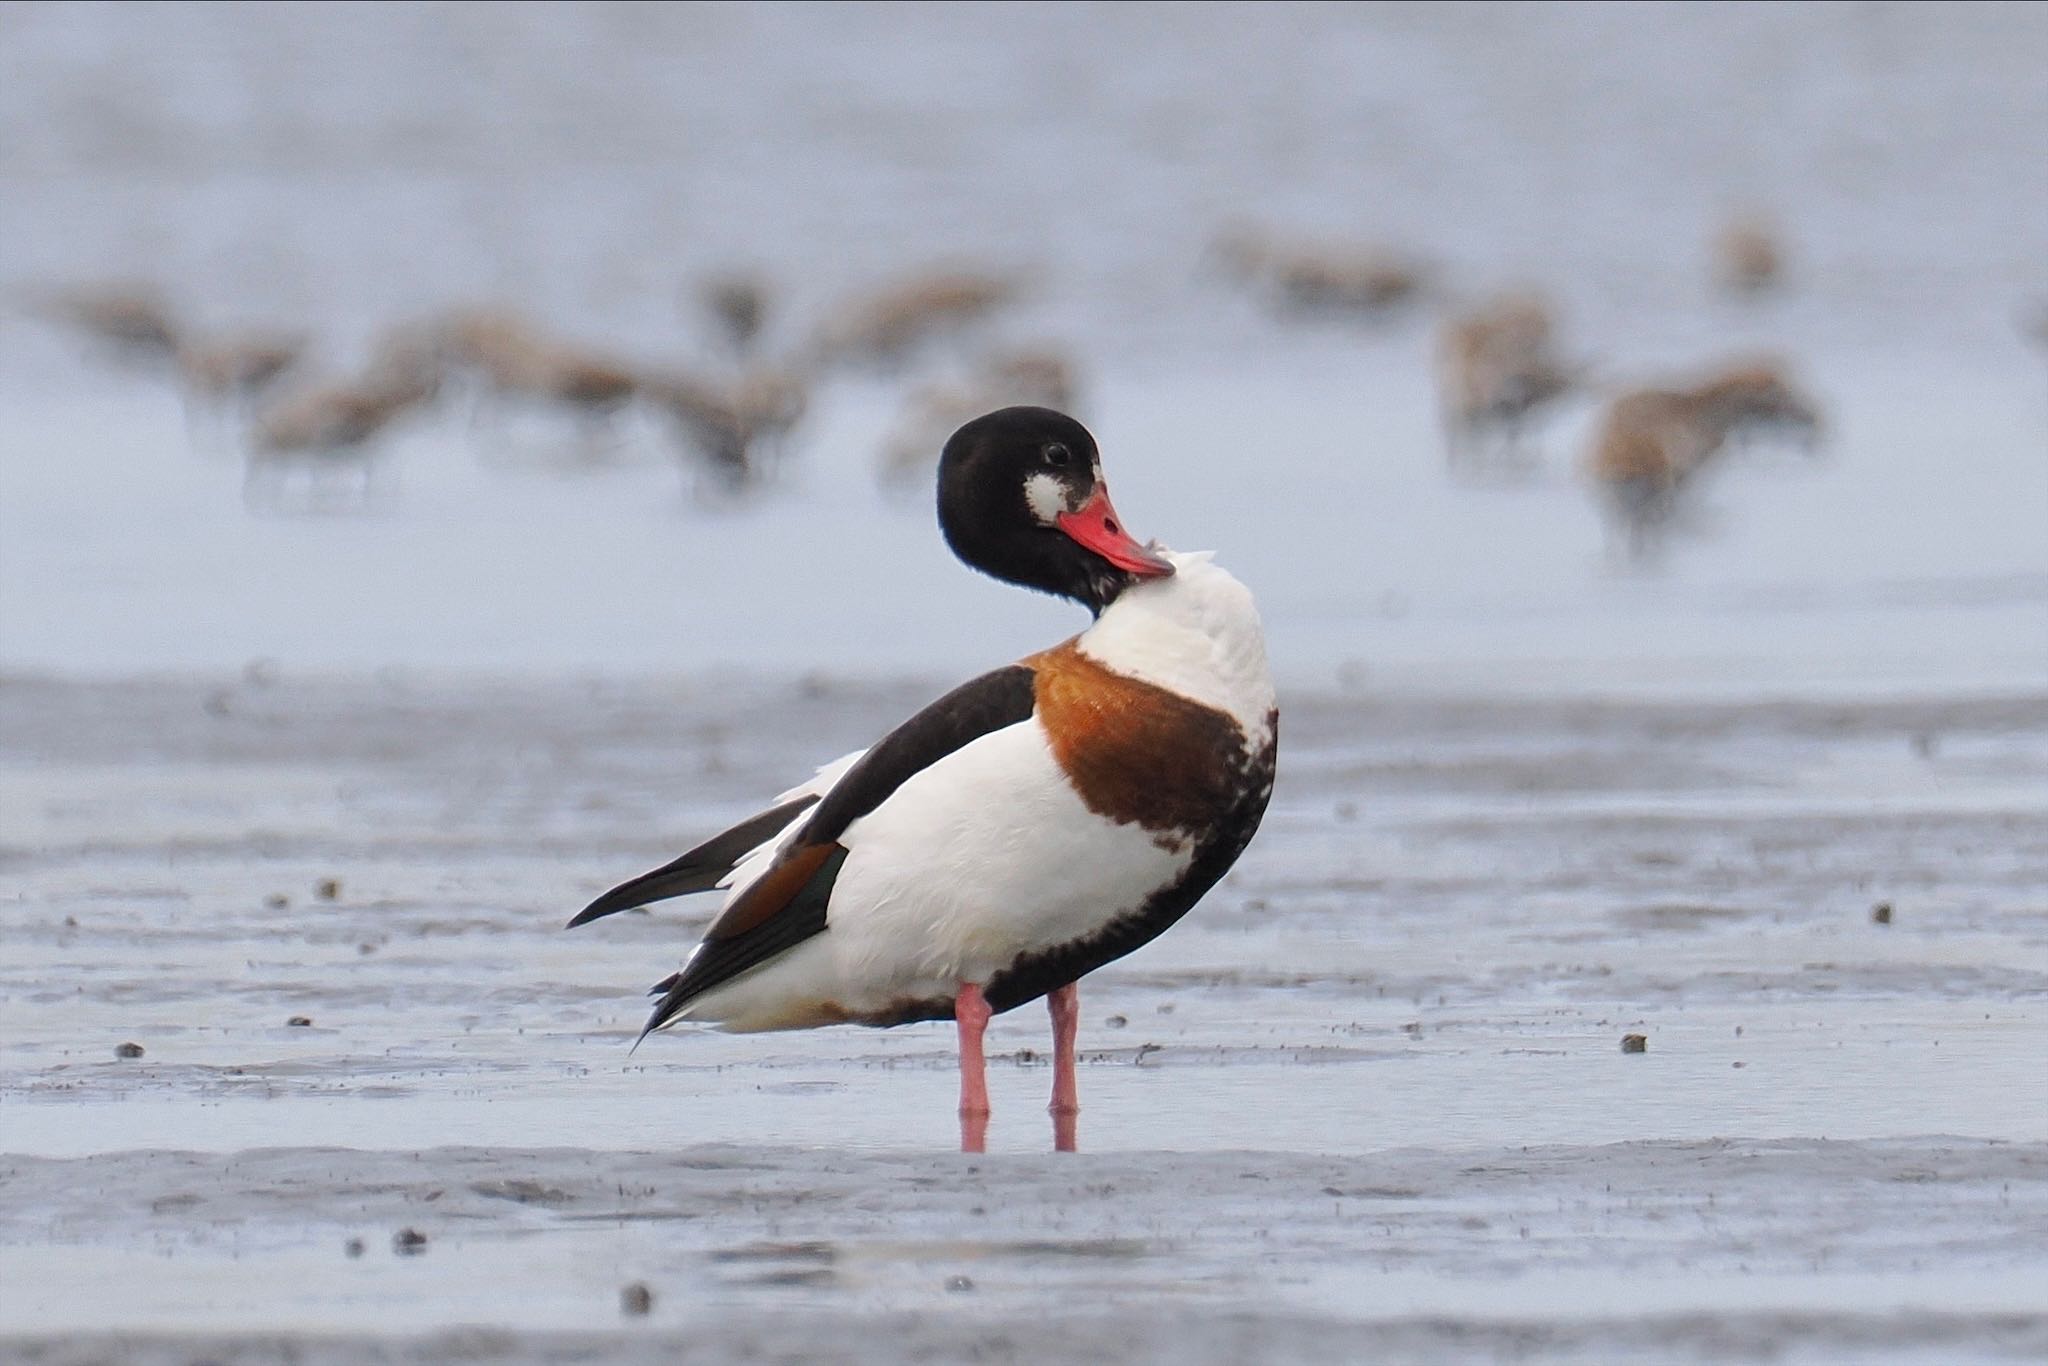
[{"x": 1196, "y": 633}]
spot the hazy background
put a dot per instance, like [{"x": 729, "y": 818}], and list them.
[
  {"x": 1640, "y": 961},
  {"x": 340, "y": 168}
]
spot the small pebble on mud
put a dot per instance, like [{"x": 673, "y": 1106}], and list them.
[
  {"x": 328, "y": 889},
  {"x": 128, "y": 1050},
  {"x": 408, "y": 1242},
  {"x": 1635, "y": 1043},
  {"x": 1115, "y": 1022},
  {"x": 958, "y": 1283},
  {"x": 276, "y": 901},
  {"x": 353, "y": 1248},
  {"x": 299, "y": 1022},
  {"x": 636, "y": 1300},
  {"x": 1881, "y": 913}
]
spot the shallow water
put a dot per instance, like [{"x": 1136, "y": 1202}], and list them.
[{"x": 1374, "y": 1082}]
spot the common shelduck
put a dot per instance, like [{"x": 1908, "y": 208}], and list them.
[{"x": 1026, "y": 828}]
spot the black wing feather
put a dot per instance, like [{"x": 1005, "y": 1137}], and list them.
[
  {"x": 700, "y": 870},
  {"x": 718, "y": 961},
  {"x": 1003, "y": 697}
]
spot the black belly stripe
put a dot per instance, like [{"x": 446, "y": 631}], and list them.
[
  {"x": 997, "y": 699},
  {"x": 1036, "y": 974}
]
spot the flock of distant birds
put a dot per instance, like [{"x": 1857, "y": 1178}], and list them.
[
  {"x": 731, "y": 421},
  {"x": 1499, "y": 366}
]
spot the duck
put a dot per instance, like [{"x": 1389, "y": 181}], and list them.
[
  {"x": 1041, "y": 375},
  {"x": 1497, "y": 365},
  {"x": 883, "y": 330},
  {"x": 732, "y": 432},
  {"x": 1026, "y": 828},
  {"x": 1362, "y": 280},
  {"x": 516, "y": 360},
  {"x": 1653, "y": 444},
  {"x": 738, "y": 304},
  {"x": 337, "y": 426},
  {"x": 132, "y": 322},
  {"x": 233, "y": 371}
]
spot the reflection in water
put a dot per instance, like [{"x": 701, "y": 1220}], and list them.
[{"x": 1065, "y": 1130}]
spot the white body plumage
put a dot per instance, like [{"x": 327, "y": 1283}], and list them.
[{"x": 991, "y": 854}]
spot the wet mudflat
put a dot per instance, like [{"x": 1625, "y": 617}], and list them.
[{"x": 1372, "y": 1097}]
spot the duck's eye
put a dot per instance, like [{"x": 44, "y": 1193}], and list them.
[{"x": 1057, "y": 455}]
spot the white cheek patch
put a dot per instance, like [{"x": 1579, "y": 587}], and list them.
[{"x": 1046, "y": 496}]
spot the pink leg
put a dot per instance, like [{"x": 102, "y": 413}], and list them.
[
  {"x": 970, "y": 1010},
  {"x": 1065, "y": 1005}
]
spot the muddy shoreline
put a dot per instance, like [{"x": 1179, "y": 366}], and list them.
[
  {"x": 1668, "y": 1251},
  {"x": 1370, "y": 1098}
]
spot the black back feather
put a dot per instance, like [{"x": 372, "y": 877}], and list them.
[{"x": 1002, "y": 697}]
